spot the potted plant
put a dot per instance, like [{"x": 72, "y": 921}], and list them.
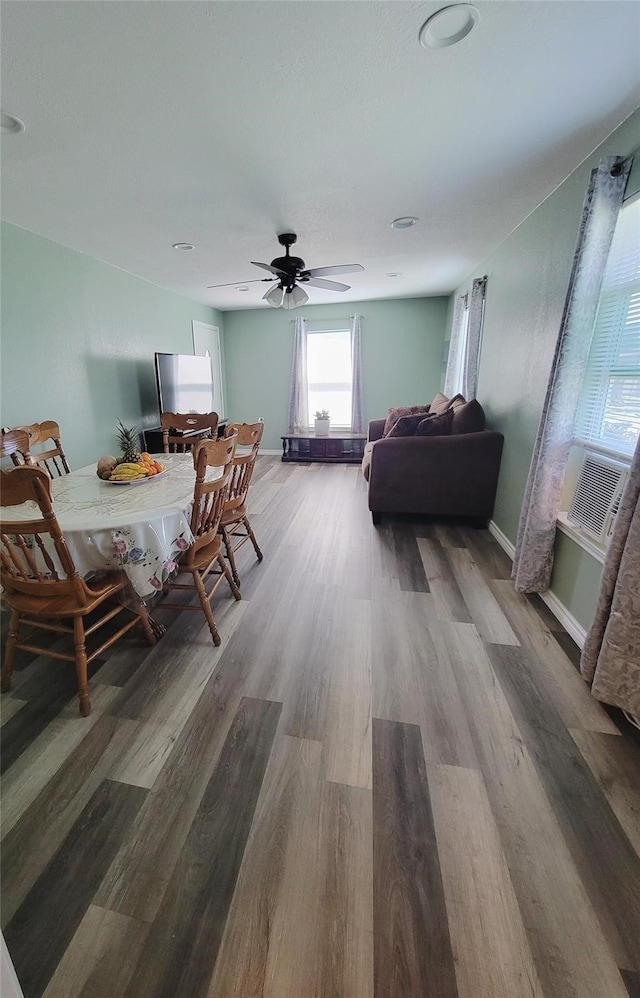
[{"x": 322, "y": 423}]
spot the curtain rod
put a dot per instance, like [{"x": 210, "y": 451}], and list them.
[
  {"x": 340, "y": 318},
  {"x": 620, "y": 166}
]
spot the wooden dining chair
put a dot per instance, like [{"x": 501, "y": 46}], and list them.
[
  {"x": 43, "y": 588},
  {"x": 15, "y": 444},
  {"x": 234, "y": 524},
  {"x": 205, "y": 425},
  {"x": 52, "y": 458},
  {"x": 203, "y": 560}
]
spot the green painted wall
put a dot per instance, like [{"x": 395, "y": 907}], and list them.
[
  {"x": 78, "y": 339},
  {"x": 576, "y": 578},
  {"x": 527, "y": 283},
  {"x": 402, "y": 343}
]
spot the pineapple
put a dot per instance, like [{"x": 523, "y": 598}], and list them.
[{"x": 129, "y": 441}]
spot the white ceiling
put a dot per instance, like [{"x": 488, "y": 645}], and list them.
[{"x": 224, "y": 123}]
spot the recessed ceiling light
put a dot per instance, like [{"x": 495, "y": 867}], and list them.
[
  {"x": 185, "y": 247},
  {"x": 394, "y": 273},
  {"x": 9, "y": 124},
  {"x": 242, "y": 287},
  {"x": 449, "y": 25},
  {"x": 405, "y": 222}
]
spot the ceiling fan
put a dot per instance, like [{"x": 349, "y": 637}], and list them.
[{"x": 289, "y": 272}]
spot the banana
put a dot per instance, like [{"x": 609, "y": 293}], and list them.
[
  {"x": 128, "y": 472},
  {"x": 128, "y": 475}
]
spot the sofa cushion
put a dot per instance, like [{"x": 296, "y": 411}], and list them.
[
  {"x": 394, "y": 414},
  {"x": 366, "y": 460},
  {"x": 436, "y": 425},
  {"x": 468, "y": 417},
  {"x": 406, "y": 425}
]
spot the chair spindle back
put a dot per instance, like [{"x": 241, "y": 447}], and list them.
[
  {"x": 35, "y": 559},
  {"x": 15, "y": 444},
  {"x": 52, "y": 459},
  {"x": 187, "y": 422},
  {"x": 249, "y": 435},
  {"x": 209, "y": 496}
]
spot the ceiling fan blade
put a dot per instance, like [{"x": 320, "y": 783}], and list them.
[
  {"x": 316, "y": 282},
  {"x": 345, "y": 268},
  {"x": 267, "y": 266},
  {"x": 258, "y": 280}
]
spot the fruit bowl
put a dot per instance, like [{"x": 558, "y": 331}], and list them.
[{"x": 138, "y": 470}]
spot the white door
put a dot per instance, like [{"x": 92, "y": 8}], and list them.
[{"x": 206, "y": 343}]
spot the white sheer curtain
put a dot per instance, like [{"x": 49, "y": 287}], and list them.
[
  {"x": 357, "y": 396},
  {"x": 456, "y": 347},
  {"x": 533, "y": 560},
  {"x": 298, "y": 392},
  {"x": 464, "y": 349},
  {"x": 473, "y": 339}
]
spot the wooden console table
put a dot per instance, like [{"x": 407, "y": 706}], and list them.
[{"x": 338, "y": 446}]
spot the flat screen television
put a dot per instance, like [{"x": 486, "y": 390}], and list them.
[{"x": 185, "y": 382}]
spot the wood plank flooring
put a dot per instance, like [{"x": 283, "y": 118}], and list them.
[{"x": 389, "y": 781}]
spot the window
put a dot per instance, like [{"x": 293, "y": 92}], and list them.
[
  {"x": 329, "y": 375},
  {"x": 608, "y": 416},
  {"x": 609, "y": 409}
]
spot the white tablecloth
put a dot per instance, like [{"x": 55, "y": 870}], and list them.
[{"x": 142, "y": 527}]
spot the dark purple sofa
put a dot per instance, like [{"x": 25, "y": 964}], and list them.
[{"x": 452, "y": 475}]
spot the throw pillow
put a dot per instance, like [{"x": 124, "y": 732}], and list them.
[
  {"x": 440, "y": 403},
  {"x": 456, "y": 402},
  {"x": 437, "y": 425},
  {"x": 395, "y": 414},
  {"x": 468, "y": 418},
  {"x": 406, "y": 426}
]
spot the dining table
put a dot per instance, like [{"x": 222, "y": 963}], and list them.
[{"x": 141, "y": 527}]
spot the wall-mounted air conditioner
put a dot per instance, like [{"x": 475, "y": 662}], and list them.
[{"x": 597, "y": 495}]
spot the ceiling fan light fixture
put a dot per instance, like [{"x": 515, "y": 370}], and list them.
[
  {"x": 274, "y": 296},
  {"x": 294, "y": 297}
]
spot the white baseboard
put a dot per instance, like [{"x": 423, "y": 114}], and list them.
[
  {"x": 558, "y": 609},
  {"x": 568, "y": 621},
  {"x": 276, "y": 453},
  {"x": 502, "y": 539}
]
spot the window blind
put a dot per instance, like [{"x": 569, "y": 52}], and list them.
[{"x": 609, "y": 409}]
